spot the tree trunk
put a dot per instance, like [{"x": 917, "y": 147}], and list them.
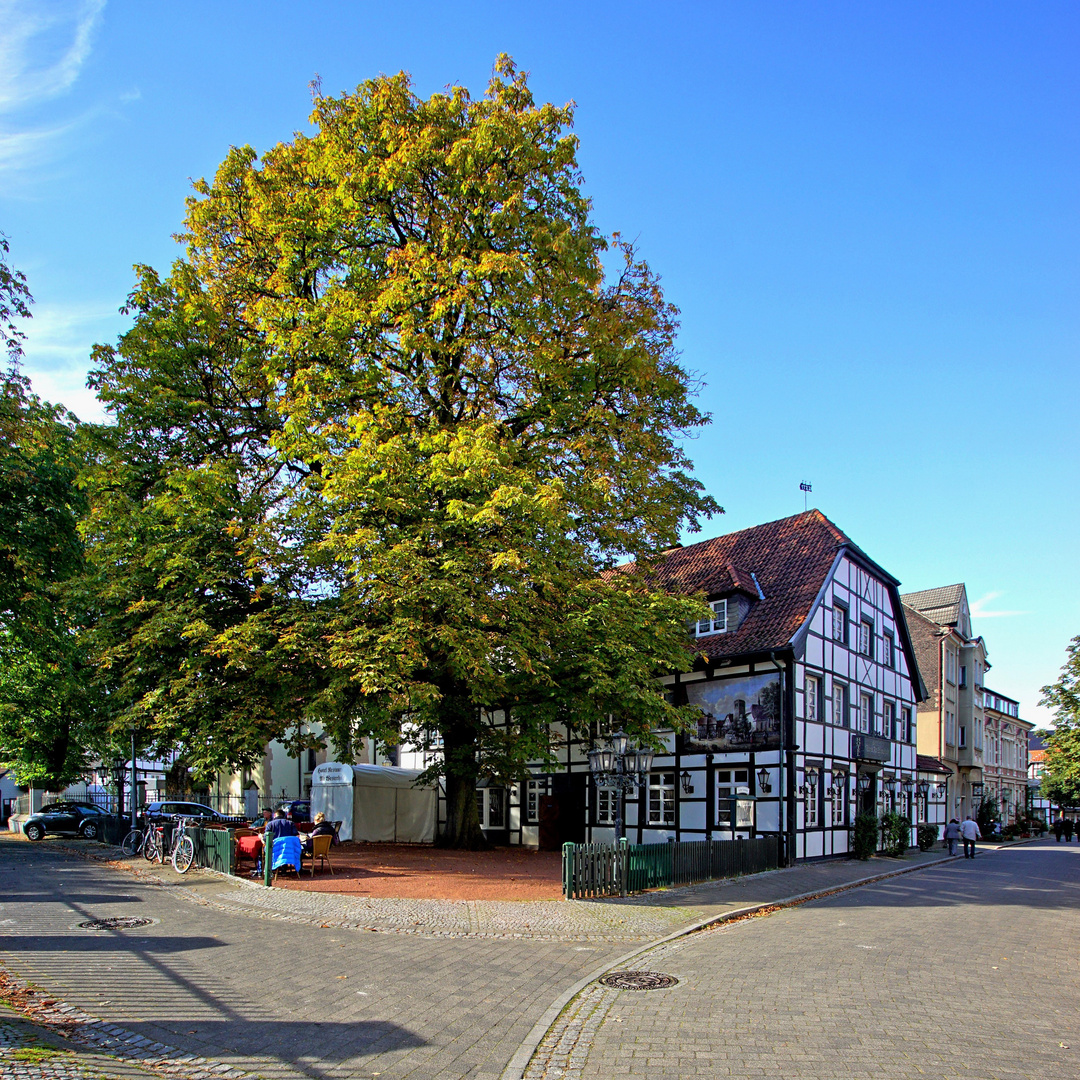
[{"x": 459, "y": 747}]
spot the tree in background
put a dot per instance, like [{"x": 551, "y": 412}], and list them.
[
  {"x": 1061, "y": 770},
  {"x": 379, "y": 436},
  {"x": 51, "y": 713}
]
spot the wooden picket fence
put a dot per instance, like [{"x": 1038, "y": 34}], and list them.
[{"x": 591, "y": 870}]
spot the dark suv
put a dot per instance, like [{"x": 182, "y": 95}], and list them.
[{"x": 67, "y": 819}]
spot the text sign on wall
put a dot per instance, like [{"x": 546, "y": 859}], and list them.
[
  {"x": 332, "y": 772},
  {"x": 870, "y": 748}
]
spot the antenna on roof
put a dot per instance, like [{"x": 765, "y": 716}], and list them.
[{"x": 805, "y": 487}]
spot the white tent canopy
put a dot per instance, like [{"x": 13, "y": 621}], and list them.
[{"x": 375, "y": 802}]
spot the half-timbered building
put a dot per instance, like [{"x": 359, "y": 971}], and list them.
[{"x": 807, "y": 687}]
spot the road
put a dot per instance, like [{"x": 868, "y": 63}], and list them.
[
  {"x": 276, "y": 999},
  {"x": 965, "y": 971}
]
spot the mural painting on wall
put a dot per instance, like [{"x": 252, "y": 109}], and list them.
[{"x": 736, "y": 714}]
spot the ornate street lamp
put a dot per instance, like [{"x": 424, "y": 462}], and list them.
[
  {"x": 810, "y": 775},
  {"x": 909, "y": 784},
  {"x": 621, "y": 770},
  {"x": 924, "y": 788},
  {"x": 839, "y": 780},
  {"x": 688, "y": 788},
  {"x": 864, "y": 783},
  {"x": 763, "y": 780}
]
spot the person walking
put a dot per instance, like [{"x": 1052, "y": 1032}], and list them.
[
  {"x": 969, "y": 830},
  {"x": 952, "y": 835}
]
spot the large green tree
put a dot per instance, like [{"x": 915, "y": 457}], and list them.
[
  {"x": 428, "y": 405},
  {"x": 1061, "y": 772}
]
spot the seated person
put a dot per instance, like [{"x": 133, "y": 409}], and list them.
[
  {"x": 322, "y": 828},
  {"x": 279, "y": 825},
  {"x": 261, "y": 820}
]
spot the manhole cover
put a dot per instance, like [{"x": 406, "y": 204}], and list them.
[
  {"x": 119, "y": 922},
  {"x": 638, "y": 980}
]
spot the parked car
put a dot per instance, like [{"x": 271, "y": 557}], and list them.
[
  {"x": 297, "y": 810},
  {"x": 167, "y": 811},
  {"x": 66, "y": 819}
]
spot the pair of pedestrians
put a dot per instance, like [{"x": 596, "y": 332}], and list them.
[{"x": 967, "y": 830}]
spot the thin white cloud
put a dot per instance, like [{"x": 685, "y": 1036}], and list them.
[
  {"x": 27, "y": 29},
  {"x": 43, "y": 47},
  {"x": 979, "y": 610}
]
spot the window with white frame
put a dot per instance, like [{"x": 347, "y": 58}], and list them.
[
  {"x": 977, "y": 734},
  {"x": 812, "y": 802},
  {"x": 905, "y": 718},
  {"x": 813, "y": 697},
  {"x": 963, "y": 735},
  {"x": 491, "y": 807},
  {"x": 888, "y": 649},
  {"x": 888, "y": 721},
  {"x": 866, "y": 712},
  {"x": 605, "y": 806},
  {"x": 717, "y": 624},
  {"x": 839, "y": 622},
  {"x": 661, "y": 798},
  {"x": 839, "y": 705},
  {"x": 950, "y": 728},
  {"x": 866, "y": 637},
  {"x": 534, "y": 791},
  {"x": 839, "y": 796},
  {"x": 732, "y": 795}
]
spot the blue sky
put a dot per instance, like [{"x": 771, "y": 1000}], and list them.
[{"x": 867, "y": 213}]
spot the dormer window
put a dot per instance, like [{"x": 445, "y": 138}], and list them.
[{"x": 717, "y": 624}]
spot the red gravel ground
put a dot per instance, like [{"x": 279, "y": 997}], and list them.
[{"x": 417, "y": 872}]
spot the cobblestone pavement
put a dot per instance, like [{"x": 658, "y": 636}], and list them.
[
  {"x": 970, "y": 970},
  {"x": 30, "y": 1051},
  {"x": 269, "y": 997}
]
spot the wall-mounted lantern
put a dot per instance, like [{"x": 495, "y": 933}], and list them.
[
  {"x": 763, "y": 780},
  {"x": 688, "y": 788}
]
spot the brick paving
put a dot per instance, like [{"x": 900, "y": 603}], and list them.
[
  {"x": 249, "y": 981},
  {"x": 970, "y": 970}
]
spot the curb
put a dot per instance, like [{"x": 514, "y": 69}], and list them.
[{"x": 520, "y": 1061}]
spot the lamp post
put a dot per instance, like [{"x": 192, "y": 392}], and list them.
[{"x": 620, "y": 769}]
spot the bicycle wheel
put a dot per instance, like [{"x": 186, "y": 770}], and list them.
[
  {"x": 183, "y": 855},
  {"x": 131, "y": 845},
  {"x": 153, "y": 847}
]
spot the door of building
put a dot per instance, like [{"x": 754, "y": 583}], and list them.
[{"x": 570, "y": 789}]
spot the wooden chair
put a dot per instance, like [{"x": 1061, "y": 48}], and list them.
[{"x": 320, "y": 849}]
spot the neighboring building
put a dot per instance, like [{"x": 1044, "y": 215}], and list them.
[
  {"x": 807, "y": 689},
  {"x": 953, "y": 663},
  {"x": 1041, "y": 807},
  {"x": 1005, "y": 755}
]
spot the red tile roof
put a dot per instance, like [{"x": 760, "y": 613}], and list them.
[
  {"x": 924, "y": 763},
  {"x": 789, "y": 558}
]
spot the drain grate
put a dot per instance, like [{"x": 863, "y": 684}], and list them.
[
  {"x": 119, "y": 922},
  {"x": 638, "y": 980}
]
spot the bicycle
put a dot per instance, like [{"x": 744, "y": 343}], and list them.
[
  {"x": 183, "y": 847},
  {"x": 132, "y": 844}
]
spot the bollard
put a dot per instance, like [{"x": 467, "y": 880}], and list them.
[{"x": 268, "y": 860}]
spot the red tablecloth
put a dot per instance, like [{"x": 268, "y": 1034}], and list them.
[{"x": 249, "y": 847}]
